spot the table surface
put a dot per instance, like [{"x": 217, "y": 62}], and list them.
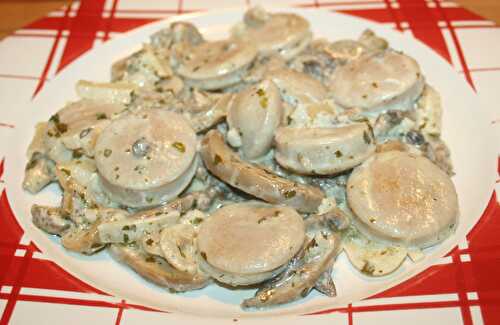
[
  {"x": 15, "y": 14},
  {"x": 462, "y": 287}
]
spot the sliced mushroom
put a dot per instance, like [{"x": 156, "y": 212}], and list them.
[
  {"x": 81, "y": 198},
  {"x": 343, "y": 51},
  {"x": 49, "y": 219},
  {"x": 282, "y": 33},
  {"x": 256, "y": 16},
  {"x": 207, "y": 119},
  {"x": 323, "y": 151},
  {"x": 178, "y": 247},
  {"x": 298, "y": 88},
  {"x": 77, "y": 127},
  {"x": 130, "y": 229},
  {"x": 37, "y": 144},
  {"x": 113, "y": 93},
  {"x": 370, "y": 257},
  {"x": 85, "y": 238},
  {"x": 255, "y": 114},
  {"x": 262, "y": 66},
  {"x": 305, "y": 271},
  {"x": 316, "y": 61},
  {"x": 39, "y": 172},
  {"x": 325, "y": 283},
  {"x": 146, "y": 158},
  {"x": 225, "y": 164},
  {"x": 403, "y": 198},
  {"x": 247, "y": 242},
  {"x": 177, "y": 32},
  {"x": 150, "y": 243},
  {"x": 429, "y": 112},
  {"x": 376, "y": 82},
  {"x": 143, "y": 68},
  {"x": 335, "y": 220},
  {"x": 155, "y": 269},
  {"x": 213, "y": 65},
  {"x": 437, "y": 151},
  {"x": 182, "y": 205},
  {"x": 373, "y": 42}
]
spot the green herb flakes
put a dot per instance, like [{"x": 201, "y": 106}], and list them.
[
  {"x": 289, "y": 194},
  {"x": 179, "y": 146},
  {"x": 77, "y": 153},
  {"x": 217, "y": 159},
  {"x": 101, "y": 116}
]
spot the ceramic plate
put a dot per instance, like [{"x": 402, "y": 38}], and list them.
[{"x": 465, "y": 128}]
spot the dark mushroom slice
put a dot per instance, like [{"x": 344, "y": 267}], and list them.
[
  {"x": 221, "y": 161},
  {"x": 49, "y": 219},
  {"x": 156, "y": 270}
]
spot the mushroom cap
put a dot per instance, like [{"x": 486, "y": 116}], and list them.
[
  {"x": 375, "y": 82},
  {"x": 403, "y": 198},
  {"x": 251, "y": 238}
]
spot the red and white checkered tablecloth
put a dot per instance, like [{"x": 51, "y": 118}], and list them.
[{"x": 461, "y": 288}]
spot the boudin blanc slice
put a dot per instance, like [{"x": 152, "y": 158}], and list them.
[
  {"x": 323, "y": 151},
  {"x": 378, "y": 82},
  {"x": 146, "y": 158},
  {"x": 255, "y": 114},
  {"x": 246, "y": 242},
  {"x": 403, "y": 198}
]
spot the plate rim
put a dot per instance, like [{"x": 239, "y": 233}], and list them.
[{"x": 268, "y": 313}]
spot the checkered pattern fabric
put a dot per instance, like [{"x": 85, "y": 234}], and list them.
[{"x": 460, "y": 288}]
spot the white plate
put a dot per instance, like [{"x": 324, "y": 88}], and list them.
[{"x": 466, "y": 130}]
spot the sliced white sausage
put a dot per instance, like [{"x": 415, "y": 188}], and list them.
[
  {"x": 213, "y": 65},
  {"x": 146, "y": 158},
  {"x": 370, "y": 257},
  {"x": 403, "y": 198},
  {"x": 298, "y": 88},
  {"x": 78, "y": 125},
  {"x": 323, "y": 151},
  {"x": 250, "y": 238},
  {"x": 378, "y": 82},
  {"x": 255, "y": 114},
  {"x": 282, "y": 33}
]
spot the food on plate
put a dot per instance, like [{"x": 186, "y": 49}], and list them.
[
  {"x": 251, "y": 161},
  {"x": 248, "y": 243},
  {"x": 402, "y": 198}
]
